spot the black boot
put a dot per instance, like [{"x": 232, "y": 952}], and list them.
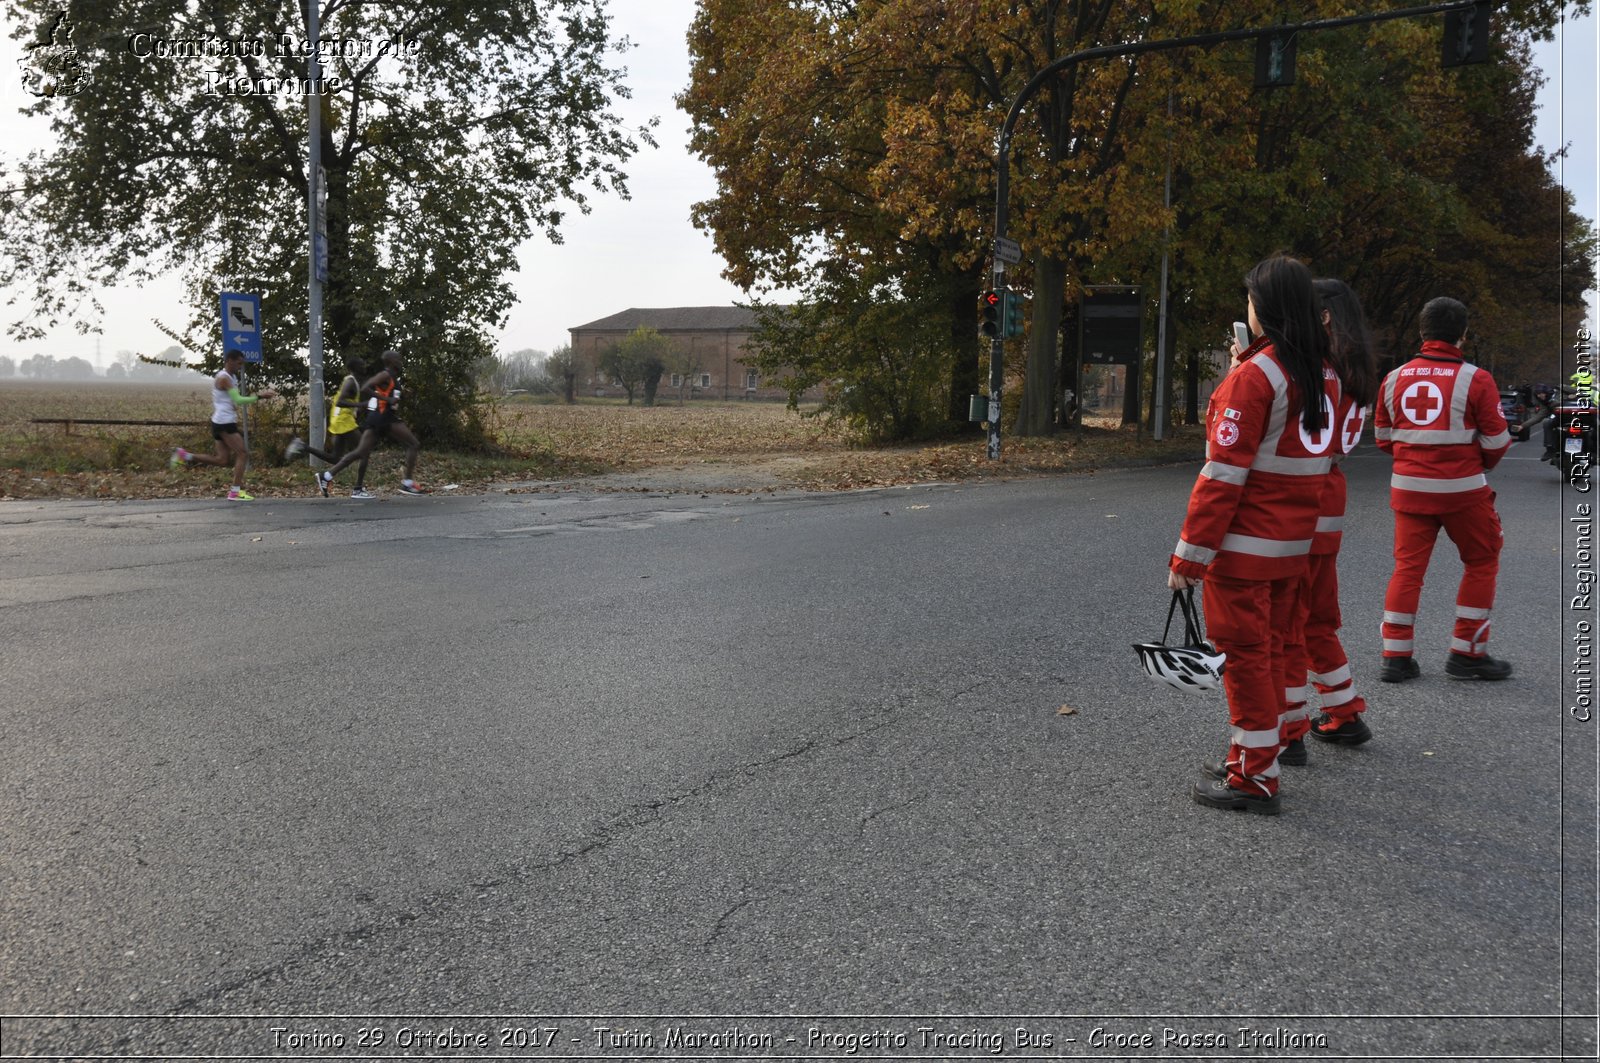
[
  {"x": 1460, "y": 666},
  {"x": 1399, "y": 669},
  {"x": 1293, "y": 754},
  {"x": 1219, "y": 794},
  {"x": 1350, "y": 733}
]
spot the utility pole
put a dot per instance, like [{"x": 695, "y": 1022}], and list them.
[
  {"x": 317, "y": 227},
  {"x": 1161, "y": 324}
]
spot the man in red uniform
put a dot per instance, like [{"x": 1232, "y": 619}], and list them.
[{"x": 1439, "y": 416}]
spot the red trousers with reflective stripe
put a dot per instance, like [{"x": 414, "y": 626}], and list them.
[
  {"x": 1248, "y": 620},
  {"x": 1477, "y": 537},
  {"x": 1325, "y": 656}
]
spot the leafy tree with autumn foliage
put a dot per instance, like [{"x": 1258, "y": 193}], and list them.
[
  {"x": 1376, "y": 167},
  {"x": 846, "y": 133},
  {"x": 452, "y": 131},
  {"x": 862, "y": 131},
  {"x": 790, "y": 105}
]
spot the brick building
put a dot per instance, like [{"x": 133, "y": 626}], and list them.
[{"x": 713, "y": 337}]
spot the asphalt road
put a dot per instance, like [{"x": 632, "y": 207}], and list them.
[{"x": 793, "y": 758}]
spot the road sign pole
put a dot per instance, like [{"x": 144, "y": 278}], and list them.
[
  {"x": 244, "y": 415},
  {"x": 997, "y": 357}
]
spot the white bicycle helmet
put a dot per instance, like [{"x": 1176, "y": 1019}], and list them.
[
  {"x": 1196, "y": 665},
  {"x": 1183, "y": 667}
]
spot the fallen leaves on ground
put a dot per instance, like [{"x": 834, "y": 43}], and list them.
[{"x": 728, "y": 448}]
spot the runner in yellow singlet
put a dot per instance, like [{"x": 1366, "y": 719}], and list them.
[{"x": 343, "y": 428}]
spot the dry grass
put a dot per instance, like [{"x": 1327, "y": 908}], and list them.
[
  {"x": 733, "y": 447},
  {"x": 754, "y": 446},
  {"x": 631, "y": 437}
]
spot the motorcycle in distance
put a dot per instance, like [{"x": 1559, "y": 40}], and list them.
[{"x": 1569, "y": 436}]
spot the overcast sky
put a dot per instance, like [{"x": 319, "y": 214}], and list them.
[{"x": 643, "y": 251}]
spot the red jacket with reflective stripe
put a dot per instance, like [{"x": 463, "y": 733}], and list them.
[
  {"x": 1254, "y": 508},
  {"x": 1439, "y": 415}
]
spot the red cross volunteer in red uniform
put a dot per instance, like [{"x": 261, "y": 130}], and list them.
[
  {"x": 1350, "y": 352},
  {"x": 1251, "y": 519},
  {"x": 1439, "y": 416}
]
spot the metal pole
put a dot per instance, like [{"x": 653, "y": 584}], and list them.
[
  {"x": 1161, "y": 322},
  {"x": 244, "y": 414},
  {"x": 316, "y": 400},
  {"x": 1078, "y": 385},
  {"x": 997, "y": 344},
  {"x": 997, "y": 365}
]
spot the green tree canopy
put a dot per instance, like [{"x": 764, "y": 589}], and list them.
[
  {"x": 452, "y": 130},
  {"x": 638, "y": 360},
  {"x": 873, "y": 345},
  {"x": 562, "y": 366}
]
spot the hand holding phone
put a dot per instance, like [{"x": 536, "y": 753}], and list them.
[{"x": 1241, "y": 334}]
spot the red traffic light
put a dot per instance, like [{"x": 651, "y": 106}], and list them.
[{"x": 989, "y": 313}]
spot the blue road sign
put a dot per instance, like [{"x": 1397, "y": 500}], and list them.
[{"x": 241, "y": 324}]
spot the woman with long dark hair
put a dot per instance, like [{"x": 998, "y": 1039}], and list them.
[
  {"x": 1252, "y": 516},
  {"x": 1350, "y": 352}
]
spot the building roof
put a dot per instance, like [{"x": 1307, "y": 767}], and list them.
[{"x": 675, "y": 319}]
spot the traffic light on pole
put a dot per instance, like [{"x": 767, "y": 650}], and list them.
[
  {"x": 1466, "y": 35},
  {"x": 1275, "y": 61},
  {"x": 989, "y": 313},
  {"x": 1013, "y": 314}
]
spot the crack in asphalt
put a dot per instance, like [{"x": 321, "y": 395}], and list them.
[
  {"x": 630, "y": 820},
  {"x": 722, "y": 920},
  {"x": 885, "y": 810},
  {"x": 89, "y": 597}
]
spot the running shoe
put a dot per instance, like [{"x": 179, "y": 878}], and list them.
[
  {"x": 237, "y": 494},
  {"x": 362, "y": 492},
  {"x": 410, "y": 487},
  {"x": 296, "y": 447},
  {"x": 322, "y": 483},
  {"x": 179, "y": 457}
]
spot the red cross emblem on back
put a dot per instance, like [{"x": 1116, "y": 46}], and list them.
[
  {"x": 1352, "y": 428},
  {"x": 1422, "y": 402}
]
